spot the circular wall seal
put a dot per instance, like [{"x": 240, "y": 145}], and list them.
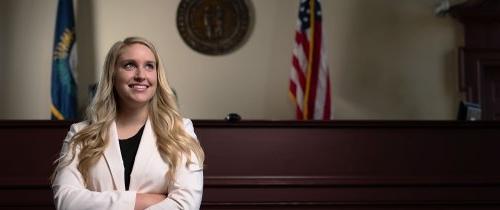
[{"x": 213, "y": 27}]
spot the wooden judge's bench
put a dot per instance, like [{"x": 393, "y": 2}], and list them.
[{"x": 299, "y": 165}]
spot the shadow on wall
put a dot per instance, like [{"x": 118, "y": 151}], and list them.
[
  {"x": 5, "y": 56},
  {"x": 389, "y": 70},
  {"x": 367, "y": 78},
  {"x": 87, "y": 50},
  {"x": 3, "y": 46}
]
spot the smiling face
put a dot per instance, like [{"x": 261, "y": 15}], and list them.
[{"x": 135, "y": 76}]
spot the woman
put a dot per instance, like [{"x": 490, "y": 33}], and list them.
[{"x": 134, "y": 151}]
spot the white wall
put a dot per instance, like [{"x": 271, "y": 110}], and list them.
[
  {"x": 388, "y": 59},
  {"x": 393, "y": 60},
  {"x": 27, "y": 29}
]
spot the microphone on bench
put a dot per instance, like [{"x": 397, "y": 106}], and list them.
[{"x": 232, "y": 117}]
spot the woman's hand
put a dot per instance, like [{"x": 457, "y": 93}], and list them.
[{"x": 145, "y": 200}]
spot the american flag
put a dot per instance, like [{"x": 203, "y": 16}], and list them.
[{"x": 309, "y": 80}]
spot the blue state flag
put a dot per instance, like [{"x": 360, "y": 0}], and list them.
[{"x": 63, "y": 86}]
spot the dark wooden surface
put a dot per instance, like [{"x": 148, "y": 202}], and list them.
[
  {"x": 299, "y": 165},
  {"x": 480, "y": 57}
]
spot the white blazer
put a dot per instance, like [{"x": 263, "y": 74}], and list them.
[{"x": 107, "y": 187}]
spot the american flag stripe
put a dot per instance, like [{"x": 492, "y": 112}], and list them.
[
  {"x": 313, "y": 97},
  {"x": 309, "y": 79},
  {"x": 327, "y": 112},
  {"x": 299, "y": 72},
  {"x": 322, "y": 83},
  {"x": 302, "y": 42}
]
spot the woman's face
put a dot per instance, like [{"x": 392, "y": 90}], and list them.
[{"x": 135, "y": 76}]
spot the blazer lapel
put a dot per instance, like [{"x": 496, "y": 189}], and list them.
[
  {"x": 113, "y": 158},
  {"x": 145, "y": 152}
]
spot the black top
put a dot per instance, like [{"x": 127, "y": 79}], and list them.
[{"x": 128, "y": 148}]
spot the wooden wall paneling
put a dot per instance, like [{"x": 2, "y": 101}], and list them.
[
  {"x": 299, "y": 165},
  {"x": 481, "y": 20}
]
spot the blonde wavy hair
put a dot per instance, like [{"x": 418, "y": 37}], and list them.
[{"x": 172, "y": 140}]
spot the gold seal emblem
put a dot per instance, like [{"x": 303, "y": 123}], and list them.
[{"x": 213, "y": 27}]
